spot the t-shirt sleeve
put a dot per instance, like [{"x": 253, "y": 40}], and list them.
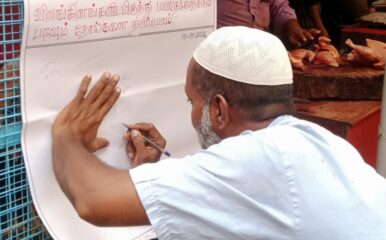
[
  {"x": 153, "y": 183},
  {"x": 215, "y": 189},
  {"x": 280, "y": 13}
]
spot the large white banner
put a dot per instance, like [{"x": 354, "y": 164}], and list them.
[{"x": 147, "y": 42}]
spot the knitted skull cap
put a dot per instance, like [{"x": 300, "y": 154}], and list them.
[{"x": 245, "y": 55}]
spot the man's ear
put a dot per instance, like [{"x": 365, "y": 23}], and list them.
[{"x": 219, "y": 113}]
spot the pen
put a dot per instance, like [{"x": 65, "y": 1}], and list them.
[{"x": 150, "y": 142}]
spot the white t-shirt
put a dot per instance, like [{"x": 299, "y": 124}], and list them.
[{"x": 291, "y": 180}]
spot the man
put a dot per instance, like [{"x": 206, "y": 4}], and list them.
[
  {"x": 308, "y": 13},
  {"x": 262, "y": 174},
  {"x": 274, "y": 15},
  {"x": 338, "y": 14}
]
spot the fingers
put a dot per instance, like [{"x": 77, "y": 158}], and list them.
[
  {"x": 83, "y": 88},
  {"x": 142, "y": 126},
  {"x": 109, "y": 103},
  {"x": 99, "y": 143},
  {"x": 97, "y": 89},
  {"x": 130, "y": 148},
  {"x": 72, "y": 109},
  {"x": 303, "y": 35},
  {"x": 294, "y": 41},
  {"x": 85, "y": 113},
  {"x": 314, "y": 32},
  {"x": 140, "y": 147},
  {"x": 151, "y": 131},
  {"x": 307, "y": 35},
  {"x": 106, "y": 98},
  {"x": 300, "y": 37}
]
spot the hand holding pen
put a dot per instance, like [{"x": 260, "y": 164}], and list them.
[{"x": 144, "y": 143}]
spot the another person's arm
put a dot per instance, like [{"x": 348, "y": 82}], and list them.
[
  {"x": 286, "y": 26},
  {"x": 314, "y": 11},
  {"x": 101, "y": 195}
]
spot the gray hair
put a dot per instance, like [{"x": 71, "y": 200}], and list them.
[{"x": 251, "y": 101}]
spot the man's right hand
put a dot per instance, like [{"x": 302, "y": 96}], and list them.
[
  {"x": 296, "y": 35},
  {"x": 137, "y": 149}
]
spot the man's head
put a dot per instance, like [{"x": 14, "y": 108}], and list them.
[{"x": 239, "y": 79}]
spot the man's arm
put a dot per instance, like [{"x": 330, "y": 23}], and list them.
[
  {"x": 280, "y": 12},
  {"x": 314, "y": 11},
  {"x": 286, "y": 25},
  {"x": 101, "y": 195}
]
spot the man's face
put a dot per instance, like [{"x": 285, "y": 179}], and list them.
[{"x": 200, "y": 115}]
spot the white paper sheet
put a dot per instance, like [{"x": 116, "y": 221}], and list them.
[{"x": 147, "y": 42}]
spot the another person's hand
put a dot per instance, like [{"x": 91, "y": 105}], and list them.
[
  {"x": 81, "y": 118},
  {"x": 324, "y": 33},
  {"x": 137, "y": 149},
  {"x": 297, "y": 35}
]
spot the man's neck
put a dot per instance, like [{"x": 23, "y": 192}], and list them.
[{"x": 268, "y": 114}]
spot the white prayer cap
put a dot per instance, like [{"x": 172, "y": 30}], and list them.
[{"x": 245, "y": 55}]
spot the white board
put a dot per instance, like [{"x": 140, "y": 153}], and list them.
[{"x": 148, "y": 43}]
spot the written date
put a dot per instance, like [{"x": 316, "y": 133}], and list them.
[{"x": 192, "y": 35}]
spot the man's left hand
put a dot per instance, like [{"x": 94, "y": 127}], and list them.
[{"x": 81, "y": 118}]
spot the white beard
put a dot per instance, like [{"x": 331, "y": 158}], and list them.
[{"x": 205, "y": 133}]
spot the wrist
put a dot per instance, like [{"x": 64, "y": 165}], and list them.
[
  {"x": 62, "y": 135},
  {"x": 291, "y": 25}
]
